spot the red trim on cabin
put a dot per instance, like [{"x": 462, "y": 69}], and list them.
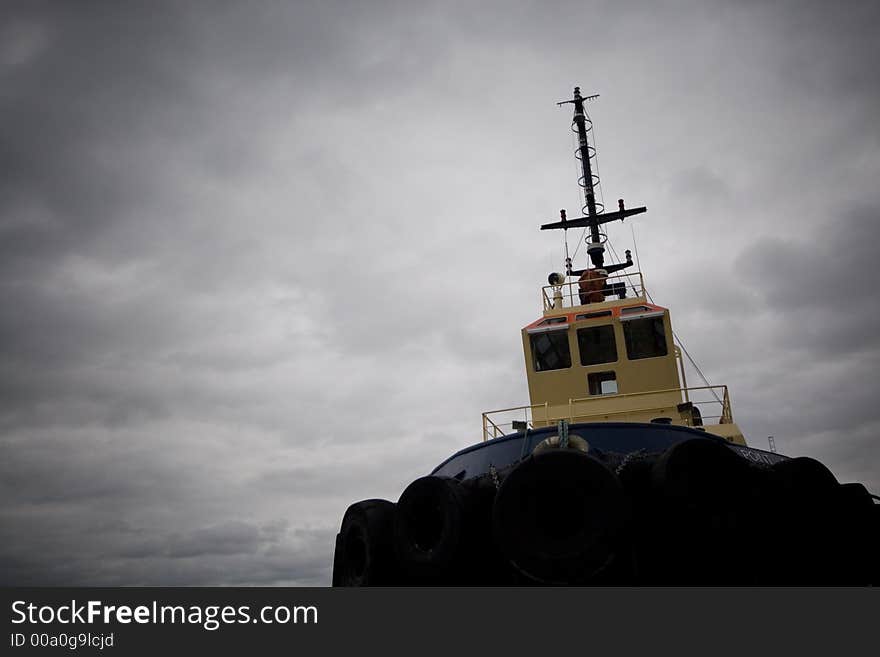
[{"x": 615, "y": 314}]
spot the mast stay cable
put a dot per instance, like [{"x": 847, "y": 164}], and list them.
[{"x": 674, "y": 334}]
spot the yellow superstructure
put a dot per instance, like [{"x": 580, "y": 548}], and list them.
[{"x": 609, "y": 361}]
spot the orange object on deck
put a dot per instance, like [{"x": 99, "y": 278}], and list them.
[{"x": 591, "y": 284}]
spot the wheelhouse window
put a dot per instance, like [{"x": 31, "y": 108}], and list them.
[
  {"x": 550, "y": 351},
  {"x": 602, "y": 383},
  {"x": 645, "y": 338},
  {"x": 553, "y": 321},
  {"x": 629, "y": 310},
  {"x": 597, "y": 345}
]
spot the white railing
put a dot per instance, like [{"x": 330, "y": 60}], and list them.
[
  {"x": 713, "y": 403},
  {"x": 568, "y": 295}
]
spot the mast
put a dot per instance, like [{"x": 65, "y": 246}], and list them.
[
  {"x": 580, "y": 120},
  {"x": 594, "y": 218}
]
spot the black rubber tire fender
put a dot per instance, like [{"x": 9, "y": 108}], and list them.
[
  {"x": 803, "y": 476},
  {"x": 336, "y": 577},
  {"x": 432, "y": 526},
  {"x": 808, "y": 526},
  {"x": 365, "y": 549},
  {"x": 699, "y": 469},
  {"x": 560, "y": 517}
]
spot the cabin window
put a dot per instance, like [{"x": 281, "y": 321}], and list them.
[
  {"x": 550, "y": 351},
  {"x": 602, "y": 383},
  {"x": 597, "y": 345},
  {"x": 645, "y": 338},
  {"x": 553, "y": 321}
]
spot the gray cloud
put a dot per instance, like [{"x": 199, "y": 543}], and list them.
[
  {"x": 823, "y": 285},
  {"x": 260, "y": 262}
]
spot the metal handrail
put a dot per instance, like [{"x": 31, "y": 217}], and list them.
[
  {"x": 644, "y": 393},
  {"x": 496, "y": 428},
  {"x": 554, "y": 297},
  {"x": 726, "y": 416}
]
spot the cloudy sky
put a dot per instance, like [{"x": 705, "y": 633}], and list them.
[{"x": 261, "y": 261}]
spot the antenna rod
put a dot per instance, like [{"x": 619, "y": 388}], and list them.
[{"x": 580, "y": 120}]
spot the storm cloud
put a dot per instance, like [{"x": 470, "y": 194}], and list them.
[{"x": 260, "y": 262}]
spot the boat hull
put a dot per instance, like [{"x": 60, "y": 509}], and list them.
[{"x": 614, "y": 504}]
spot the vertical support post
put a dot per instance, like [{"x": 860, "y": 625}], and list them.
[{"x": 684, "y": 384}]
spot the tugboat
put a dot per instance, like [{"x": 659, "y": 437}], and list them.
[{"x": 616, "y": 472}]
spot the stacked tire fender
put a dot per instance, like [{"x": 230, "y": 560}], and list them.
[
  {"x": 697, "y": 514},
  {"x": 703, "y": 515},
  {"x": 437, "y": 534}
]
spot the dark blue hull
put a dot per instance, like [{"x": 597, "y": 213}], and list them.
[{"x": 610, "y": 443}]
